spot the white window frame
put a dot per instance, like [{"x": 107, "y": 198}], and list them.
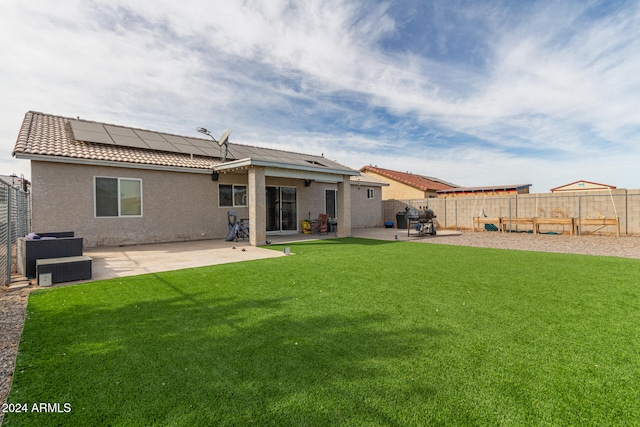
[
  {"x": 95, "y": 199},
  {"x": 233, "y": 195},
  {"x": 370, "y": 193}
]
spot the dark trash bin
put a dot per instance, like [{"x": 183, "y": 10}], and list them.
[{"x": 401, "y": 220}]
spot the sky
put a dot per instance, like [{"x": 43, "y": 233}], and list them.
[{"x": 476, "y": 93}]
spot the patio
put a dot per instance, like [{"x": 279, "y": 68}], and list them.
[{"x": 110, "y": 262}]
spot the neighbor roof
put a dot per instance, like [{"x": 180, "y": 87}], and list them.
[
  {"x": 592, "y": 186},
  {"x": 49, "y": 137},
  {"x": 368, "y": 180},
  {"x": 417, "y": 181},
  {"x": 487, "y": 189}
]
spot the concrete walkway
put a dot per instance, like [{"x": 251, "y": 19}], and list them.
[{"x": 111, "y": 262}]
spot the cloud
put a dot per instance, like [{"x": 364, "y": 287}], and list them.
[{"x": 474, "y": 92}]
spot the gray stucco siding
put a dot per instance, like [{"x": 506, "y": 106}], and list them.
[{"x": 176, "y": 206}]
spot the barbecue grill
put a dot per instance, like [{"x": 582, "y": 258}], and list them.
[{"x": 422, "y": 220}]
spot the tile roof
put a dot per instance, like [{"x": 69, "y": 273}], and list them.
[
  {"x": 417, "y": 181},
  {"x": 53, "y": 137},
  {"x": 597, "y": 184}
]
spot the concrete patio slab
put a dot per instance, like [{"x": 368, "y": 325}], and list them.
[{"x": 111, "y": 262}]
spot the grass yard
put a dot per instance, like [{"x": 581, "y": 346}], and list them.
[{"x": 344, "y": 332}]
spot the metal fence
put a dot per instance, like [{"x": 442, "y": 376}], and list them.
[
  {"x": 15, "y": 222},
  {"x": 458, "y": 213}
]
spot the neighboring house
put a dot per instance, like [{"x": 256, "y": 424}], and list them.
[
  {"x": 16, "y": 181},
  {"x": 405, "y": 185},
  {"x": 116, "y": 185},
  {"x": 494, "y": 190},
  {"x": 582, "y": 186}
]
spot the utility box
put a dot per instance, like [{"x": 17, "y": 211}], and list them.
[
  {"x": 45, "y": 279},
  {"x": 66, "y": 269}
]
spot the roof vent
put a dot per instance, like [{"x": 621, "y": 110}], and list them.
[{"x": 313, "y": 162}]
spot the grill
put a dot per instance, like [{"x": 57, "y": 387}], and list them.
[{"x": 422, "y": 221}]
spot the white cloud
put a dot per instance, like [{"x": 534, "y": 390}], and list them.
[{"x": 320, "y": 76}]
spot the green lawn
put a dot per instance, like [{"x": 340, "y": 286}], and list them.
[{"x": 344, "y": 332}]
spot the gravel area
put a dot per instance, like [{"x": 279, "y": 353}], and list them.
[
  {"x": 12, "y": 311},
  {"x": 624, "y": 247},
  {"x": 13, "y": 303}
]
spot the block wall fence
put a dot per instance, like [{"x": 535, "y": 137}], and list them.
[{"x": 457, "y": 212}]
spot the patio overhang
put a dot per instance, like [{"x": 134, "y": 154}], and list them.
[
  {"x": 273, "y": 168},
  {"x": 258, "y": 170}
]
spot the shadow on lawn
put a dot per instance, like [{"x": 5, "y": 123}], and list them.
[{"x": 198, "y": 359}]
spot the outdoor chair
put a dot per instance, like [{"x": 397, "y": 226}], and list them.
[
  {"x": 237, "y": 229},
  {"x": 321, "y": 225}
]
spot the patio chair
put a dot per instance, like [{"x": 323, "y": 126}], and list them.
[
  {"x": 321, "y": 225},
  {"x": 237, "y": 229}
]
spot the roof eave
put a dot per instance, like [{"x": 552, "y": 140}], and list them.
[
  {"x": 243, "y": 163},
  {"x": 109, "y": 163}
]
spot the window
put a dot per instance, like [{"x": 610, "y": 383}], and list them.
[
  {"x": 232, "y": 195},
  {"x": 115, "y": 197},
  {"x": 369, "y": 193},
  {"x": 240, "y": 195}
]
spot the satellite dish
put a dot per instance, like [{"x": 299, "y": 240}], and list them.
[{"x": 224, "y": 139}]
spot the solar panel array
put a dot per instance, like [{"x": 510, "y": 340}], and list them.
[
  {"x": 102, "y": 133},
  {"x": 128, "y": 137}
]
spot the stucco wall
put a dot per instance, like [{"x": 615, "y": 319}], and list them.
[
  {"x": 458, "y": 212},
  {"x": 399, "y": 191},
  {"x": 176, "y": 206},
  {"x": 366, "y": 212}
]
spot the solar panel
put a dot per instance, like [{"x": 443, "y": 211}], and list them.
[
  {"x": 161, "y": 145},
  {"x": 117, "y": 130},
  {"x": 88, "y": 126},
  {"x": 137, "y": 138},
  {"x": 128, "y": 141},
  {"x": 174, "y": 139},
  {"x": 143, "y": 134},
  {"x": 189, "y": 149},
  {"x": 88, "y": 136},
  {"x": 200, "y": 142},
  {"x": 213, "y": 152}
]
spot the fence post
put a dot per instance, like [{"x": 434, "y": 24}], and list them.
[
  {"x": 456, "y": 210},
  {"x": 579, "y": 216},
  {"x": 626, "y": 212},
  {"x": 445, "y": 212},
  {"x": 9, "y": 253},
  {"x": 509, "y": 213}
]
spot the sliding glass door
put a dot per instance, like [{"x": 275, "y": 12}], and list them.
[{"x": 282, "y": 209}]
